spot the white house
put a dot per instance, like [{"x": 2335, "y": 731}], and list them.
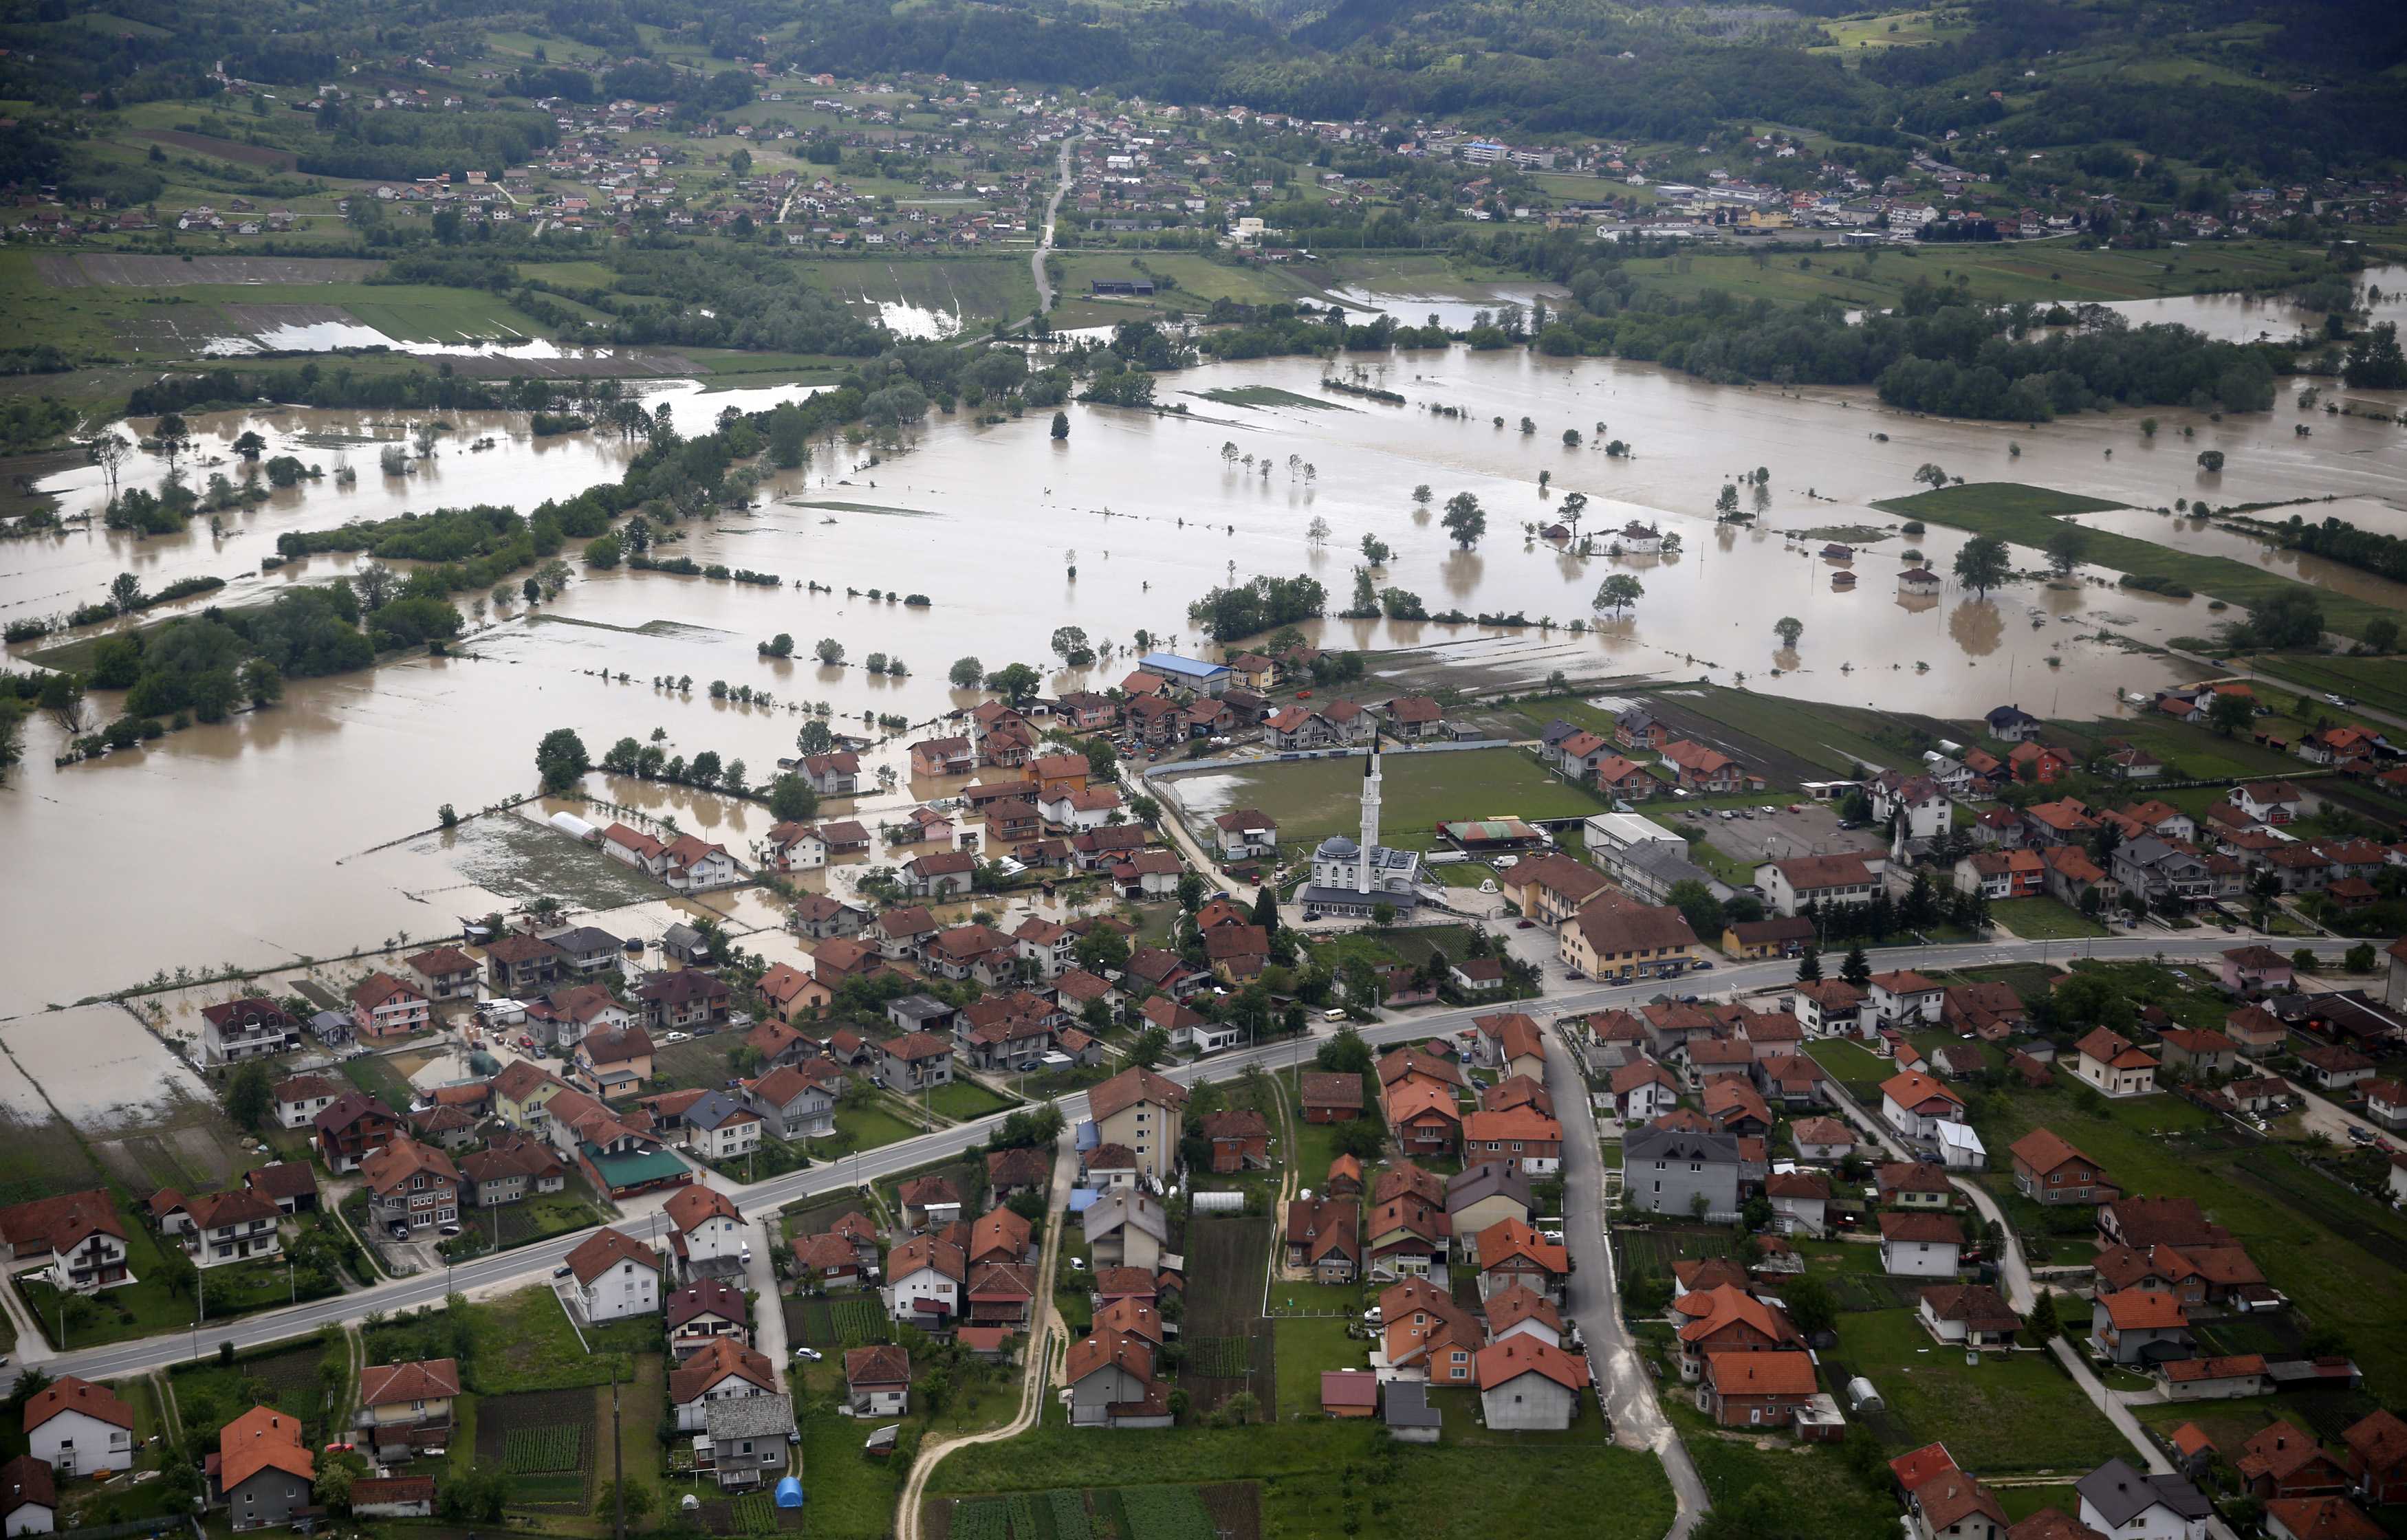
[
  {"x": 1914, "y": 1105},
  {"x": 79, "y": 1429},
  {"x": 707, "y": 1224},
  {"x": 1915, "y": 801},
  {"x": 617, "y": 1276},
  {"x": 300, "y": 1099},
  {"x": 724, "y": 1369},
  {"x": 1087, "y": 807},
  {"x": 1830, "y": 1008},
  {"x": 924, "y": 1278},
  {"x": 1920, "y": 1245},
  {"x": 2121, "y": 1502},
  {"x": 1905, "y": 998},
  {"x": 2108, "y": 1061}
]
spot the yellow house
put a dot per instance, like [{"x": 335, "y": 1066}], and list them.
[
  {"x": 1768, "y": 218},
  {"x": 405, "y": 1409},
  {"x": 1550, "y": 888},
  {"x": 521, "y": 1091},
  {"x": 1618, "y": 940},
  {"x": 1252, "y": 670},
  {"x": 1147, "y": 1114}
]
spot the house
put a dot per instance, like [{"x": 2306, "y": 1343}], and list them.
[
  {"x": 2049, "y": 1170},
  {"x": 520, "y": 963},
  {"x": 691, "y": 1000},
  {"x": 1126, "y": 1228},
  {"x": 405, "y": 1409},
  {"x": 386, "y": 1006},
  {"x": 1830, "y": 1008},
  {"x": 1325, "y": 1235},
  {"x": 445, "y": 973},
  {"x": 1146, "y": 1114},
  {"x": 1614, "y": 940},
  {"x": 2377, "y": 1456},
  {"x": 2319, "y": 1518},
  {"x": 1511, "y": 1253},
  {"x": 1758, "y": 1389},
  {"x": 720, "y": 1127},
  {"x": 747, "y": 1437},
  {"x": 2123, "y": 1503},
  {"x": 29, "y": 1497},
  {"x": 351, "y": 1125},
  {"x": 2251, "y": 971},
  {"x": 795, "y": 1103},
  {"x": 1905, "y": 998},
  {"x": 247, "y": 1028},
  {"x": 1110, "y": 1379},
  {"x": 1328, "y": 1097},
  {"x": 1998, "y": 875},
  {"x": 1240, "y": 1139},
  {"x": 1484, "y": 1195},
  {"x": 722, "y": 1369},
  {"x": 2333, "y": 1066},
  {"x": 1967, "y": 1315},
  {"x": 1823, "y": 880},
  {"x": 392, "y": 1497},
  {"x": 792, "y": 847},
  {"x": 2012, "y": 725},
  {"x": 1773, "y": 936},
  {"x": 617, "y": 1275},
  {"x": 1722, "y": 1317},
  {"x": 1550, "y": 887},
  {"x": 1951, "y": 1506},
  {"x": 614, "y": 1062},
  {"x": 263, "y": 1474},
  {"x": 877, "y": 1380},
  {"x": 1678, "y": 1171},
  {"x": 1919, "y": 1245},
  {"x": 793, "y": 995},
  {"x": 301, "y": 1098},
  {"x": 2286, "y": 1460},
  {"x": 1915, "y": 1103},
  {"x": 1824, "y": 1141},
  {"x": 1705, "y": 770},
  {"x": 1914, "y": 1184},
  {"x": 230, "y": 1226},
  {"x": 940, "y": 874},
  {"x": 916, "y": 1061},
  {"x": 2139, "y": 1326},
  {"x": 2215, "y": 1378},
  {"x": 1526, "y": 1383},
  {"x": 411, "y": 1186},
  {"x": 2270, "y": 802},
  {"x": 79, "y": 1429}
]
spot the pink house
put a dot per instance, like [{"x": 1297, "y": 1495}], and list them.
[
  {"x": 384, "y": 1007},
  {"x": 2255, "y": 970}
]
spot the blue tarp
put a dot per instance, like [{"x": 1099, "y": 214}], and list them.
[
  {"x": 1082, "y": 1199},
  {"x": 1089, "y": 1136},
  {"x": 789, "y": 1493}
]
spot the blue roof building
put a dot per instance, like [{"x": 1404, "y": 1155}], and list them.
[{"x": 1192, "y": 672}]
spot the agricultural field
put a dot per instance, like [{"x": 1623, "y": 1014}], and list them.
[
  {"x": 1230, "y": 1346},
  {"x": 2379, "y": 682},
  {"x": 835, "y": 1322},
  {"x": 2010, "y": 1413},
  {"x": 285, "y": 1377},
  {"x": 1313, "y": 798},
  {"x": 2027, "y": 517},
  {"x": 544, "y": 1441},
  {"x": 975, "y": 289},
  {"x": 1229, "y": 1511}
]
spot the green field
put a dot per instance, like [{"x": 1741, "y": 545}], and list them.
[
  {"x": 2381, "y": 683},
  {"x": 964, "y": 1101},
  {"x": 1452, "y": 1490},
  {"x": 2027, "y": 517},
  {"x": 978, "y": 288},
  {"x": 1313, "y": 798},
  {"x": 1791, "y": 1479},
  {"x": 2010, "y": 1412},
  {"x": 2043, "y": 920},
  {"x": 2334, "y": 1253},
  {"x": 1306, "y": 1348}
]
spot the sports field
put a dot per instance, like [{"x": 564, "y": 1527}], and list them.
[{"x": 1313, "y": 798}]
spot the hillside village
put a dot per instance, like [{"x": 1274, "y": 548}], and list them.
[{"x": 1475, "y": 1128}]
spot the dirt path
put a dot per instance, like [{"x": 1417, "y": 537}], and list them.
[{"x": 1045, "y": 1335}]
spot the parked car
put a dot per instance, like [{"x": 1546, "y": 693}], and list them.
[{"x": 809, "y": 1354}]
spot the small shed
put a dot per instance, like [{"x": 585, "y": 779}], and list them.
[
  {"x": 789, "y": 1492},
  {"x": 1349, "y": 1392},
  {"x": 1406, "y": 1411}
]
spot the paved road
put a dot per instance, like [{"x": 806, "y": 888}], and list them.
[
  {"x": 1592, "y": 1297},
  {"x": 529, "y": 1264},
  {"x": 1045, "y": 242}
]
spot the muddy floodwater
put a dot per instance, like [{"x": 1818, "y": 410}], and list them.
[{"x": 304, "y": 831}]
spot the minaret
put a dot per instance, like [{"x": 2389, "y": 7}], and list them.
[{"x": 1369, "y": 814}]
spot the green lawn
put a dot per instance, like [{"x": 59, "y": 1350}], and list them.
[
  {"x": 2379, "y": 682},
  {"x": 376, "y": 1075},
  {"x": 143, "y": 1307},
  {"x": 1322, "y": 1480},
  {"x": 851, "y": 1495},
  {"x": 1313, "y": 798},
  {"x": 2043, "y": 920},
  {"x": 863, "y": 1127},
  {"x": 2188, "y": 751},
  {"x": 966, "y": 1100},
  {"x": 2336, "y": 1255},
  {"x": 1839, "y": 738},
  {"x": 525, "y": 1342},
  {"x": 2028, "y": 516},
  {"x": 1794, "y": 1479},
  {"x": 1306, "y": 1348},
  {"x": 2018, "y": 1412}
]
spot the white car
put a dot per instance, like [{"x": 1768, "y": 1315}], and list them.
[
  {"x": 1370, "y": 1316},
  {"x": 677, "y": 1037},
  {"x": 810, "y": 1354}
]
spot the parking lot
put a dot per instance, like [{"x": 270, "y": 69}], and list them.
[{"x": 1776, "y": 836}]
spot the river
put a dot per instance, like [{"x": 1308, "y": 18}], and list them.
[{"x": 250, "y": 841}]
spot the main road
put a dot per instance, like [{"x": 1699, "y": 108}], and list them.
[
  {"x": 1630, "y": 1402},
  {"x": 1045, "y": 240}
]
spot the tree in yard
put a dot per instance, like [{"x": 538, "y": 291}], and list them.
[
  {"x": 605, "y": 1500},
  {"x": 1857, "y": 969},
  {"x": 1618, "y": 593},
  {"x": 1190, "y": 891},
  {"x": 2360, "y": 958},
  {"x": 1061, "y": 425},
  {"x": 1382, "y": 914},
  {"x": 829, "y": 650},
  {"x": 2043, "y": 1324},
  {"x": 126, "y": 594},
  {"x": 1266, "y": 909},
  {"x": 1699, "y": 907},
  {"x": 1810, "y": 1309},
  {"x": 250, "y": 1096},
  {"x": 1983, "y": 564},
  {"x": 1809, "y": 966},
  {"x": 337, "y": 1468},
  {"x": 1465, "y": 521},
  {"x": 1932, "y": 475},
  {"x": 1150, "y": 1045},
  {"x": 2064, "y": 549},
  {"x": 1364, "y": 1138},
  {"x": 2303, "y": 960},
  {"x": 2229, "y": 713},
  {"x": 1789, "y": 629},
  {"x": 966, "y": 673},
  {"x": 1015, "y": 682},
  {"x": 561, "y": 759}
]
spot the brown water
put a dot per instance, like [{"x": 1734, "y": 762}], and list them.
[
  {"x": 2209, "y": 538},
  {"x": 2240, "y": 317},
  {"x": 247, "y": 841}
]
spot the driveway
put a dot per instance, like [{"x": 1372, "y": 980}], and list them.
[
  {"x": 1623, "y": 1385},
  {"x": 761, "y": 1277}
]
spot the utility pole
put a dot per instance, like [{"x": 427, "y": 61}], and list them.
[{"x": 618, "y": 1459}]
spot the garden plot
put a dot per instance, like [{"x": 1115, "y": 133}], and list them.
[{"x": 543, "y": 1440}]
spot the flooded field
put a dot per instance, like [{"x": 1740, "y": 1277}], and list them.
[
  {"x": 2241, "y": 317},
  {"x": 2210, "y": 537},
  {"x": 273, "y": 836}
]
